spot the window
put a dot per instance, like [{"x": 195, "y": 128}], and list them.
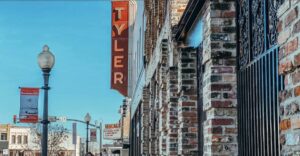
[
  {"x": 13, "y": 139},
  {"x": 196, "y": 33},
  {"x": 25, "y": 139},
  {"x": 19, "y": 139},
  {"x": 3, "y": 137}
]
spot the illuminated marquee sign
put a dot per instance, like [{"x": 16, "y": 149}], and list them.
[{"x": 119, "y": 73}]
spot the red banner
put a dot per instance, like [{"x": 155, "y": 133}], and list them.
[
  {"x": 29, "y": 105},
  {"x": 119, "y": 73}
]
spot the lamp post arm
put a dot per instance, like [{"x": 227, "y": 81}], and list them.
[{"x": 75, "y": 120}]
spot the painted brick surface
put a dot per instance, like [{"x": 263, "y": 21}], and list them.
[{"x": 289, "y": 32}]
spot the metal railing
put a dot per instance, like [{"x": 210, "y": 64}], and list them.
[{"x": 258, "y": 106}]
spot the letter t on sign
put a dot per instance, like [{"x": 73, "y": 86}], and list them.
[{"x": 119, "y": 9}]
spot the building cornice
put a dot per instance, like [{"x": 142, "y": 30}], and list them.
[{"x": 190, "y": 14}]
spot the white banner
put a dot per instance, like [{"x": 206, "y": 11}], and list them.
[
  {"x": 29, "y": 105},
  {"x": 112, "y": 132}
]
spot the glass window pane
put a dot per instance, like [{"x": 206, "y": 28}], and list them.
[
  {"x": 25, "y": 139},
  {"x": 3, "y": 136},
  {"x": 19, "y": 139},
  {"x": 13, "y": 139}
]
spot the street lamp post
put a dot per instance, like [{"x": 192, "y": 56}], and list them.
[
  {"x": 46, "y": 61},
  {"x": 87, "y": 119}
]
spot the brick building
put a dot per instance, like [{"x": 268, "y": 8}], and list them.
[
  {"x": 220, "y": 77},
  {"x": 289, "y": 61}
]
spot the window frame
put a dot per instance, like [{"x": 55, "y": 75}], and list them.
[
  {"x": 3, "y": 136},
  {"x": 19, "y": 139},
  {"x": 13, "y": 139}
]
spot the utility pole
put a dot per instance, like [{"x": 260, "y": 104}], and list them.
[{"x": 100, "y": 135}]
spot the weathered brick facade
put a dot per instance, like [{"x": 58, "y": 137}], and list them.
[
  {"x": 289, "y": 56},
  {"x": 219, "y": 90},
  {"x": 170, "y": 114},
  {"x": 162, "y": 99},
  {"x": 187, "y": 103},
  {"x": 177, "y": 9},
  {"x": 160, "y": 114},
  {"x": 171, "y": 121},
  {"x": 172, "y": 111},
  {"x": 219, "y": 85},
  {"x": 145, "y": 122}
]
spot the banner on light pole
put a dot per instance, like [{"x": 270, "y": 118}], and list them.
[
  {"x": 29, "y": 105},
  {"x": 93, "y": 135},
  {"x": 74, "y": 133}
]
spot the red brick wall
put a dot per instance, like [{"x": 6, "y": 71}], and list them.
[
  {"x": 289, "y": 56},
  {"x": 145, "y": 121},
  {"x": 172, "y": 112},
  {"x": 187, "y": 102},
  {"x": 177, "y": 9},
  {"x": 220, "y": 88}
]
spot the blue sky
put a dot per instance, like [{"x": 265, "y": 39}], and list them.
[{"x": 78, "y": 34}]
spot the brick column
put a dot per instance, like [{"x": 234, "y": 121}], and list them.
[
  {"x": 162, "y": 99},
  {"x": 187, "y": 103},
  {"x": 289, "y": 56},
  {"x": 219, "y": 79},
  {"x": 145, "y": 121},
  {"x": 153, "y": 118},
  {"x": 172, "y": 115}
]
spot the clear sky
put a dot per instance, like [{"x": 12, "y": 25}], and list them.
[{"x": 78, "y": 34}]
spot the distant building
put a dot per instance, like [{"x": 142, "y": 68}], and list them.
[
  {"x": 4, "y": 137},
  {"x": 20, "y": 141},
  {"x": 82, "y": 147}
]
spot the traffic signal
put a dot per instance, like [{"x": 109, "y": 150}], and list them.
[{"x": 15, "y": 119}]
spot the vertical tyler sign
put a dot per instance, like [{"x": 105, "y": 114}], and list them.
[
  {"x": 29, "y": 105},
  {"x": 119, "y": 73}
]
